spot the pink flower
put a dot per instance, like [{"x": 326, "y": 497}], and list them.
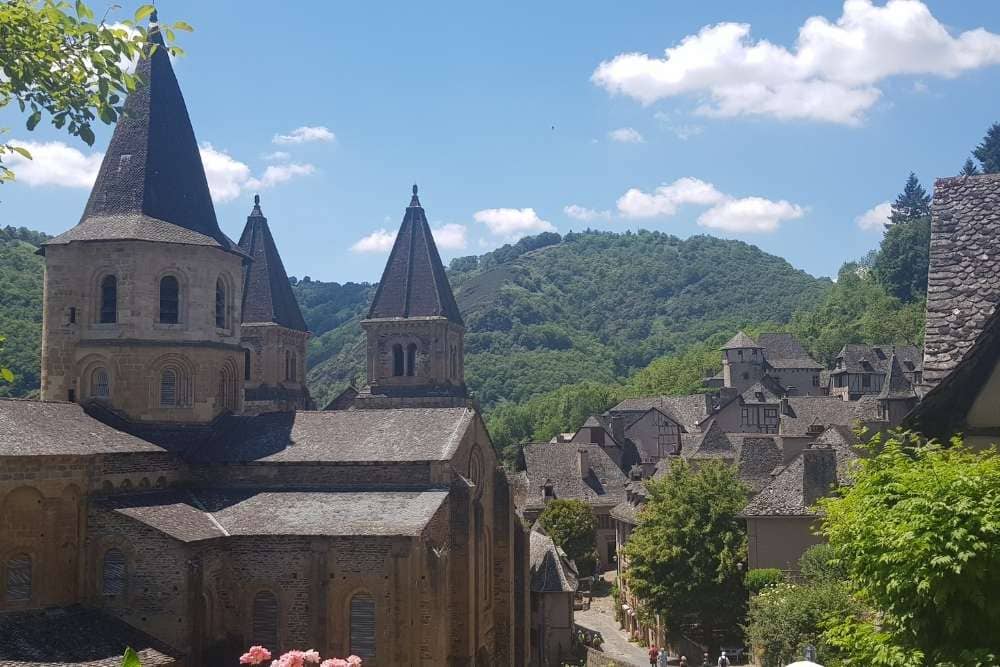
[
  {"x": 354, "y": 661},
  {"x": 312, "y": 655},
  {"x": 335, "y": 662},
  {"x": 292, "y": 659},
  {"x": 255, "y": 655}
]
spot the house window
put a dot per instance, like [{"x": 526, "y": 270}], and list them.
[
  {"x": 815, "y": 380},
  {"x": 18, "y": 578},
  {"x": 397, "y": 360},
  {"x": 264, "y": 628},
  {"x": 169, "y": 300},
  {"x": 220, "y": 304},
  {"x": 866, "y": 381},
  {"x": 745, "y": 416},
  {"x": 411, "y": 359},
  {"x": 363, "y": 626},
  {"x": 168, "y": 388},
  {"x": 113, "y": 573},
  {"x": 109, "y": 300},
  {"x": 100, "y": 385},
  {"x": 246, "y": 364}
]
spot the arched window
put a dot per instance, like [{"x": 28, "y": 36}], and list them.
[
  {"x": 220, "y": 304},
  {"x": 288, "y": 364},
  {"x": 168, "y": 387},
  {"x": 293, "y": 376},
  {"x": 109, "y": 300},
  {"x": 228, "y": 388},
  {"x": 169, "y": 300},
  {"x": 246, "y": 364},
  {"x": 264, "y": 628},
  {"x": 363, "y": 626},
  {"x": 100, "y": 384},
  {"x": 113, "y": 572},
  {"x": 18, "y": 578},
  {"x": 411, "y": 359},
  {"x": 397, "y": 360}
]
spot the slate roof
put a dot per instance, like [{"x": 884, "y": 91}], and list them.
[
  {"x": 267, "y": 294},
  {"x": 783, "y": 350},
  {"x": 962, "y": 284},
  {"x": 196, "y": 515},
  {"x": 550, "y": 569},
  {"x": 414, "y": 283},
  {"x": 764, "y": 392},
  {"x": 740, "y": 340},
  {"x": 755, "y": 455},
  {"x": 688, "y": 411},
  {"x": 50, "y": 428},
  {"x": 72, "y": 636},
  {"x": 558, "y": 463},
  {"x": 823, "y": 411},
  {"x": 896, "y": 385},
  {"x": 862, "y": 358},
  {"x": 152, "y": 185}
]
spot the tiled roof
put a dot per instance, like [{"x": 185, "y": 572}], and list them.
[
  {"x": 550, "y": 573},
  {"x": 74, "y": 636},
  {"x": 49, "y": 428},
  {"x": 414, "y": 283},
  {"x": 783, "y": 350},
  {"x": 765, "y": 391},
  {"x": 962, "y": 284},
  {"x": 755, "y": 455},
  {"x": 862, "y": 358},
  {"x": 152, "y": 185},
  {"x": 740, "y": 340},
  {"x": 896, "y": 385},
  {"x": 267, "y": 294},
  {"x": 824, "y": 411},
  {"x": 557, "y": 463},
  {"x": 196, "y": 515},
  {"x": 688, "y": 411}
]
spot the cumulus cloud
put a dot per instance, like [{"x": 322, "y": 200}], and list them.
[
  {"x": 451, "y": 236},
  {"x": 305, "y": 134},
  {"x": 875, "y": 218},
  {"x": 750, "y": 215},
  {"x": 228, "y": 177},
  {"x": 626, "y": 135},
  {"x": 585, "y": 214},
  {"x": 666, "y": 199},
  {"x": 279, "y": 173},
  {"x": 380, "y": 240},
  {"x": 830, "y": 74},
  {"x": 54, "y": 163},
  {"x": 512, "y": 223},
  {"x": 277, "y": 156}
]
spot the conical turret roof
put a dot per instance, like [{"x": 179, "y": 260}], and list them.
[
  {"x": 267, "y": 294},
  {"x": 740, "y": 341},
  {"x": 896, "y": 384},
  {"x": 152, "y": 185},
  {"x": 414, "y": 283}
]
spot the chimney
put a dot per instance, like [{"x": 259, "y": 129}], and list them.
[
  {"x": 583, "y": 462},
  {"x": 819, "y": 472},
  {"x": 618, "y": 428}
]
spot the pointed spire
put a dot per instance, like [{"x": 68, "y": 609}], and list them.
[
  {"x": 152, "y": 184},
  {"x": 267, "y": 294},
  {"x": 896, "y": 384},
  {"x": 414, "y": 283}
]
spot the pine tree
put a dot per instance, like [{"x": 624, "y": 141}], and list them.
[
  {"x": 912, "y": 203},
  {"x": 969, "y": 168},
  {"x": 988, "y": 152}
]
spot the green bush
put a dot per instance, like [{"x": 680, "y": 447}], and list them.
[
  {"x": 818, "y": 565},
  {"x": 759, "y": 579}
]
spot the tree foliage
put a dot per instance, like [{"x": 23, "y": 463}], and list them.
[
  {"x": 57, "y": 61},
  {"x": 571, "y": 525},
  {"x": 904, "y": 258},
  {"x": 21, "y": 273},
  {"x": 912, "y": 203},
  {"x": 969, "y": 168},
  {"x": 918, "y": 532},
  {"x": 685, "y": 556},
  {"x": 759, "y": 579},
  {"x": 988, "y": 152}
]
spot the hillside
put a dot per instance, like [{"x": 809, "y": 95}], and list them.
[
  {"x": 20, "y": 308},
  {"x": 554, "y": 310}
]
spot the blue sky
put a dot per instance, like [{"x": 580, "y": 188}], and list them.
[{"x": 507, "y": 119}]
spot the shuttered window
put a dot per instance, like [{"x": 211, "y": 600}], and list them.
[
  {"x": 113, "y": 572},
  {"x": 363, "y": 626},
  {"x": 19, "y": 578},
  {"x": 265, "y": 620}
]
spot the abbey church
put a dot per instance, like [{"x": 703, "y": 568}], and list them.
[{"x": 175, "y": 490}]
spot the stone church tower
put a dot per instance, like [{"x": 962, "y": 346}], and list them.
[
  {"x": 273, "y": 332},
  {"x": 142, "y": 297},
  {"x": 414, "y": 329}
]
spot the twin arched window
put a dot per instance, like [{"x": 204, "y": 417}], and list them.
[
  {"x": 404, "y": 363},
  {"x": 100, "y": 384},
  {"x": 363, "y": 626},
  {"x": 220, "y": 304},
  {"x": 18, "y": 578},
  {"x": 169, "y": 300},
  {"x": 109, "y": 300},
  {"x": 113, "y": 572},
  {"x": 264, "y": 623}
]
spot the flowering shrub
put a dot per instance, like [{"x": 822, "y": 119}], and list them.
[{"x": 258, "y": 655}]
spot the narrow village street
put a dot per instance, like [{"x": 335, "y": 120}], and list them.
[{"x": 601, "y": 618}]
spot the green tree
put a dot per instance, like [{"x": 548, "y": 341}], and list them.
[
  {"x": 571, "y": 525},
  {"x": 686, "y": 554},
  {"x": 988, "y": 152},
  {"x": 912, "y": 203},
  {"x": 969, "y": 168},
  {"x": 59, "y": 62},
  {"x": 819, "y": 564},
  {"x": 904, "y": 258},
  {"x": 919, "y": 534}
]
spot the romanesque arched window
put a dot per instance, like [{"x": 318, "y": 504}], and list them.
[
  {"x": 228, "y": 387},
  {"x": 169, "y": 300},
  {"x": 246, "y": 364},
  {"x": 100, "y": 383},
  {"x": 363, "y": 626},
  {"x": 264, "y": 623},
  {"x": 168, "y": 387},
  {"x": 220, "y": 303},
  {"x": 411, "y": 359},
  {"x": 397, "y": 360},
  {"x": 113, "y": 572},
  {"x": 109, "y": 300},
  {"x": 18, "y": 578}
]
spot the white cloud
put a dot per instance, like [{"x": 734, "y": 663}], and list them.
[
  {"x": 380, "y": 240},
  {"x": 875, "y": 218},
  {"x": 626, "y": 135},
  {"x": 451, "y": 236},
  {"x": 226, "y": 175},
  {"x": 279, "y": 173},
  {"x": 750, "y": 215},
  {"x": 54, "y": 163},
  {"x": 830, "y": 74},
  {"x": 277, "y": 156},
  {"x": 585, "y": 214},
  {"x": 666, "y": 199},
  {"x": 512, "y": 223},
  {"x": 305, "y": 134}
]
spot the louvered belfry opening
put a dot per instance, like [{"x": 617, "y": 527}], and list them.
[{"x": 265, "y": 620}]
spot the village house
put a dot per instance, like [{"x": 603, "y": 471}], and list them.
[
  {"x": 169, "y": 493},
  {"x": 861, "y": 370},
  {"x": 554, "y": 582}
]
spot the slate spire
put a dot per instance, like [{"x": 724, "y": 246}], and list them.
[
  {"x": 152, "y": 185},
  {"x": 267, "y": 294},
  {"x": 414, "y": 283}
]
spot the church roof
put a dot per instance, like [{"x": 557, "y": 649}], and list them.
[
  {"x": 740, "y": 340},
  {"x": 152, "y": 185},
  {"x": 896, "y": 385},
  {"x": 414, "y": 283},
  {"x": 267, "y": 294}
]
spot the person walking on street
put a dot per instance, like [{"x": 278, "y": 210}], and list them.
[
  {"x": 654, "y": 653},
  {"x": 723, "y": 660},
  {"x": 684, "y": 661},
  {"x": 662, "y": 660}
]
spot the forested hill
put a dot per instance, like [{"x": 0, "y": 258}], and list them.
[{"x": 551, "y": 310}]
